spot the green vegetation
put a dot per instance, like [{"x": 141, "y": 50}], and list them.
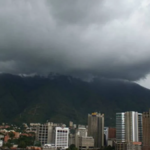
[
  {"x": 72, "y": 147},
  {"x": 11, "y": 135},
  {"x": 63, "y": 98},
  {"x": 37, "y": 143},
  {"x": 25, "y": 141},
  {"x": 22, "y": 142},
  {"x": 8, "y": 145}
]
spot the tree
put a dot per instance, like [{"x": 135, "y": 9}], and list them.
[
  {"x": 37, "y": 143},
  {"x": 9, "y": 145},
  {"x": 72, "y": 147},
  {"x": 22, "y": 144},
  {"x": 11, "y": 135},
  {"x": 24, "y": 141}
]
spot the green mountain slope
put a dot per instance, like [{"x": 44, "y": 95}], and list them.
[{"x": 63, "y": 98}]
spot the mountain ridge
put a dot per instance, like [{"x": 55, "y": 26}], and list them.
[{"x": 62, "y": 98}]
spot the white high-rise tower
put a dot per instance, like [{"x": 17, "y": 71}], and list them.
[{"x": 128, "y": 127}]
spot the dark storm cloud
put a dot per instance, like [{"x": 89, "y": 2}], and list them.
[{"x": 101, "y": 38}]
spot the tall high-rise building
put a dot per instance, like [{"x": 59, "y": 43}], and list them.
[
  {"x": 120, "y": 127},
  {"x": 129, "y": 126},
  {"x": 128, "y": 130},
  {"x": 96, "y": 128},
  {"x": 140, "y": 123},
  {"x": 146, "y": 130}
]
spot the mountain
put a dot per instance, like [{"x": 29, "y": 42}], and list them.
[{"x": 61, "y": 98}]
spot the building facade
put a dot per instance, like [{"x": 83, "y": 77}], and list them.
[
  {"x": 112, "y": 133},
  {"x": 131, "y": 126},
  {"x": 128, "y": 131},
  {"x": 106, "y": 134},
  {"x": 140, "y": 123},
  {"x": 61, "y": 137},
  {"x": 86, "y": 142},
  {"x": 96, "y": 128},
  {"x": 120, "y": 127},
  {"x": 79, "y": 133},
  {"x": 45, "y": 133},
  {"x": 146, "y": 130}
]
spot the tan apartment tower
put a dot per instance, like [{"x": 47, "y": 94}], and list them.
[
  {"x": 96, "y": 128},
  {"x": 146, "y": 130}
]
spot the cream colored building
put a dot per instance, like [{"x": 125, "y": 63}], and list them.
[{"x": 86, "y": 142}]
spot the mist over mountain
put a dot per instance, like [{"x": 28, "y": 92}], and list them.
[{"x": 61, "y": 98}]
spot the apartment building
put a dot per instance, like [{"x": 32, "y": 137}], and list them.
[
  {"x": 61, "y": 137},
  {"x": 45, "y": 133}
]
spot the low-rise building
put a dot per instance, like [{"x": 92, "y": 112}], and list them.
[
  {"x": 111, "y": 142},
  {"x": 112, "y": 133},
  {"x": 81, "y": 131},
  {"x": 71, "y": 139},
  {"x": 86, "y": 142},
  {"x": 120, "y": 146},
  {"x": 134, "y": 146}
]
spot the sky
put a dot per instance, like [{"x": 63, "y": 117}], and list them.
[{"x": 102, "y": 38}]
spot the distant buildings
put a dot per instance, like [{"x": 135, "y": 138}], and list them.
[
  {"x": 132, "y": 132},
  {"x": 79, "y": 137},
  {"x": 33, "y": 127},
  {"x": 96, "y": 128},
  {"x": 54, "y": 134}
]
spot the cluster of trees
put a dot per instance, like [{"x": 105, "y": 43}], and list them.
[{"x": 22, "y": 142}]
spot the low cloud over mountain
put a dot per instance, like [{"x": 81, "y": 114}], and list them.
[{"x": 83, "y": 38}]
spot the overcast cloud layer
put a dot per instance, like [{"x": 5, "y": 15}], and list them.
[{"x": 106, "y": 38}]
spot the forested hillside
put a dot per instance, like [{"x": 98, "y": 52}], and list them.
[{"x": 62, "y": 98}]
